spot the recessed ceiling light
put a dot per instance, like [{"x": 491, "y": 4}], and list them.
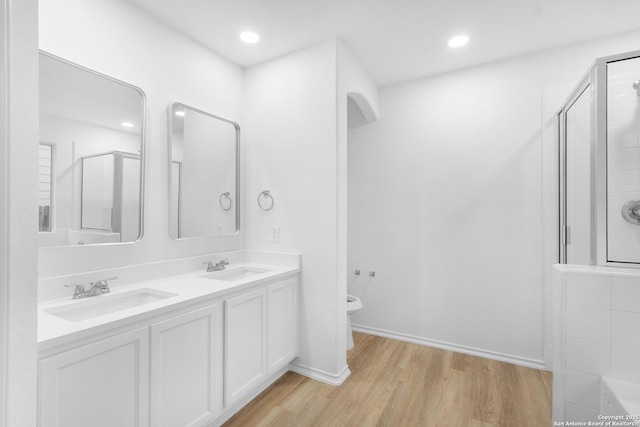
[
  {"x": 458, "y": 41},
  {"x": 127, "y": 124},
  {"x": 180, "y": 113},
  {"x": 249, "y": 37}
]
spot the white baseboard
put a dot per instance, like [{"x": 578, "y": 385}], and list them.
[
  {"x": 317, "y": 374},
  {"x": 516, "y": 360}
]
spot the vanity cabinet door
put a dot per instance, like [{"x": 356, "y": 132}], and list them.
[
  {"x": 186, "y": 369},
  {"x": 102, "y": 384},
  {"x": 282, "y": 324},
  {"x": 245, "y": 344}
]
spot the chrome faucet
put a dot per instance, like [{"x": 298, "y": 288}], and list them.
[
  {"x": 219, "y": 266},
  {"x": 98, "y": 288}
]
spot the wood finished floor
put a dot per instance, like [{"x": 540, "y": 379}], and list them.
[{"x": 399, "y": 384}]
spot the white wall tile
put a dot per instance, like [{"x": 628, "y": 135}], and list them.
[
  {"x": 619, "y": 137},
  {"x": 583, "y": 389},
  {"x": 622, "y": 158},
  {"x": 625, "y": 294},
  {"x": 625, "y": 329},
  {"x": 587, "y": 356},
  {"x": 588, "y": 290},
  {"x": 575, "y": 412},
  {"x": 625, "y": 363},
  {"x": 622, "y": 180},
  {"x": 588, "y": 323}
]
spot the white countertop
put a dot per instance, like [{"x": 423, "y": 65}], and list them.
[{"x": 189, "y": 288}]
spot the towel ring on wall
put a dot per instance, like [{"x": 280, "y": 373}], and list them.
[
  {"x": 225, "y": 201},
  {"x": 265, "y": 200}
]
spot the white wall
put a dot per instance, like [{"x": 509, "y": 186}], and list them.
[
  {"x": 445, "y": 204},
  {"x": 168, "y": 67},
  {"x": 18, "y": 209},
  {"x": 290, "y": 136}
]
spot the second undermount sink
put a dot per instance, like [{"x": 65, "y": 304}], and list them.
[
  {"x": 88, "y": 308},
  {"x": 237, "y": 273}
]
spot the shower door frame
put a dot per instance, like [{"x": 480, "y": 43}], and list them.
[
  {"x": 595, "y": 79},
  {"x": 587, "y": 83}
]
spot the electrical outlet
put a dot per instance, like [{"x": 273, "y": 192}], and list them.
[{"x": 275, "y": 234}]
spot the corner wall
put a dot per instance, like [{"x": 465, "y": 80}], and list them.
[
  {"x": 291, "y": 150},
  {"x": 445, "y": 204},
  {"x": 18, "y": 210}
]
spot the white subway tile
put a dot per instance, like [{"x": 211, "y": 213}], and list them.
[
  {"x": 587, "y": 356},
  {"x": 583, "y": 389},
  {"x": 618, "y": 227},
  {"x": 624, "y": 249},
  {"x": 589, "y": 290},
  {"x": 622, "y": 158},
  {"x": 588, "y": 323},
  {"x": 615, "y": 200},
  {"x": 619, "y": 137},
  {"x": 622, "y": 180},
  {"x": 579, "y": 413},
  {"x": 551, "y": 224},
  {"x": 625, "y": 329},
  {"x": 625, "y": 294},
  {"x": 621, "y": 114},
  {"x": 625, "y": 363}
]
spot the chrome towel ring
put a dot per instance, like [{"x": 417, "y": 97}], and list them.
[
  {"x": 265, "y": 200},
  {"x": 225, "y": 201}
]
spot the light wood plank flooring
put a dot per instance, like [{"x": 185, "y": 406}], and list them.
[{"x": 399, "y": 384}]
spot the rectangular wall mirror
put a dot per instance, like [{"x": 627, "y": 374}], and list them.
[
  {"x": 204, "y": 174},
  {"x": 90, "y": 157}
]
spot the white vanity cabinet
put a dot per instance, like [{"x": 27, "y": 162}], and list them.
[
  {"x": 101, "y": 384},
  {"x": 189, "y": 364},
  {"x": 282, "y": 324},
  {"x": 245, "y": 323},
  {"x": 261, "y": 336},
  {"x": 186, "y": 369}
]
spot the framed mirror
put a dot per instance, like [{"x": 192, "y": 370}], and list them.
[
  {"x": 91, "y": 157},
  {"x": 204, "y": 174}
]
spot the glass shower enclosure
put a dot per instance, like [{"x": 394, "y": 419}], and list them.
[
  {"x": 599, "y": 135},
  {"x": 111, "y": 194}
]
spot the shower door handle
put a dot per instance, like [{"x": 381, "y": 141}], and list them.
[{"x": 565, "y": 235}]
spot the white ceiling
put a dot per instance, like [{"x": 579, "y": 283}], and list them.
[{"x": 396, "y": 40}]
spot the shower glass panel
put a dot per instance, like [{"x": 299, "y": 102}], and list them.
[
  {"x": 578, "y": 179},
  {"x": 623, "y": 161},
  {"x": 97, "y": 192},
  {"x": 599, "y": 141},
  {"x": 110, "y": 195}
]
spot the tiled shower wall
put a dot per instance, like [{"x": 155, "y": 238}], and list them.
[
  {"x": 623, "y": 163},
  {"x": 596, "y": 333}
]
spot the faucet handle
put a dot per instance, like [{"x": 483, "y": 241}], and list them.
[
  {"x": 79, "y": 289},
  {"x": 224, "y": 261},
  {"x": 110, "y": 278}
]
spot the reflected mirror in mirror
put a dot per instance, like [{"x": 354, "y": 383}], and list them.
[
  {"x": 90, "y": 157},
  {"x": 204, "y": 151}
]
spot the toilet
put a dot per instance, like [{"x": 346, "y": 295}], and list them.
[{"x": 353, "y": 304}]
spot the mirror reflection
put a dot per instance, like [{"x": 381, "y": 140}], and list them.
[
  {"x": 204, "y": 173},
  {"x": 90, "y": 161}
]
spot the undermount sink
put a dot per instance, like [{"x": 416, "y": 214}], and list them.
[
  {"x": 88, "y": 308},
  {"x": 237, "y": 273}
]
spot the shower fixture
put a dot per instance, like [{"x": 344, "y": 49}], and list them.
[{"x": 636, "y": 86}]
